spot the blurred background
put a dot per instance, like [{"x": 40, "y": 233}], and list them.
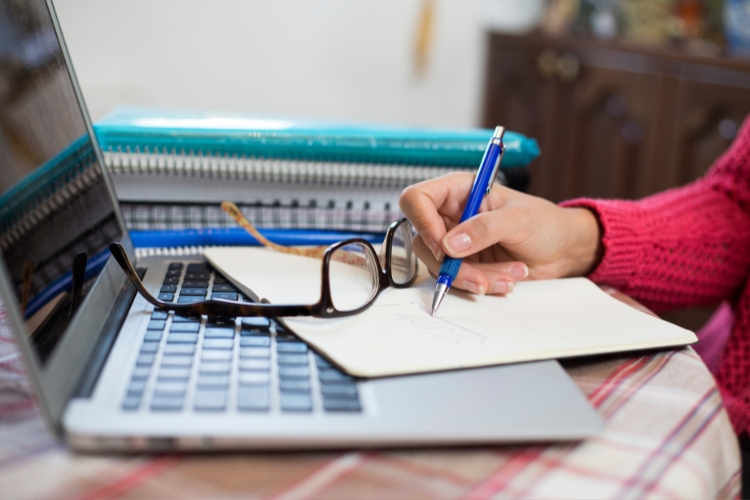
[{"x": 626, "y": 97}]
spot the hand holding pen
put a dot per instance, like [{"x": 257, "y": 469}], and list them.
[{"x": 514, "y": 236}]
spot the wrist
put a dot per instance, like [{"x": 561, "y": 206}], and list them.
[{"x": 585, "y": 248}]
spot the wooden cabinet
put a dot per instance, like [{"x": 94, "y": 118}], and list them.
[{"x": 614, "y": 121}]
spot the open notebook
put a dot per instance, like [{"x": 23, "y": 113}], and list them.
[{"x": 397, "y": 335}]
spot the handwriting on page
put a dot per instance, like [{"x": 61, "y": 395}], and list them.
[{"x": 435, "y": 327}]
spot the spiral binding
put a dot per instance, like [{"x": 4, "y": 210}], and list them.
[
  {"x": 253, "y": 169},
  {"x": 48, "y": 203},
  {"x": 164, "y": 216}
]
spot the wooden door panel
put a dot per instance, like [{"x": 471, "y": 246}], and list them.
[
  {"x": 612, "y": 123},
  {"x": 707, "y": 118}
]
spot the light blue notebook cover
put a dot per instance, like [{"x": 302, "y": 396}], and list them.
[{"x": 211, "y": 133}]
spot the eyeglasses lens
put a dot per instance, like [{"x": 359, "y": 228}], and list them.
[
  {"x": 353, "y": 276},
  {"x": 403, "y": 261}
]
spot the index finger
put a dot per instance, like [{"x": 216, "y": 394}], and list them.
[{"x": 422, "y": 203}]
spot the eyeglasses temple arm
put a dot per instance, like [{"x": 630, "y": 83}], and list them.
[{"x": 213, "y": 307}]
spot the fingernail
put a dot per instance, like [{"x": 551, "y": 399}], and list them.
[
  {"x": 502, "y": 287},
  {"x": 519, "y": 272},
  {"x": 458, "y": 243},
  {"x": 435, "y": 249},
  {"x": 472, "y": 287}
]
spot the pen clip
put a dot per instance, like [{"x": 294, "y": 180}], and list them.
[{"x": 494, "y": 170}]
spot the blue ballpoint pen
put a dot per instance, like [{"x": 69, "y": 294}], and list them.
[{"x": 482, "y": 186}]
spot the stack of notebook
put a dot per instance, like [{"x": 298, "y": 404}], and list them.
[{"x": 171, "y": 170}]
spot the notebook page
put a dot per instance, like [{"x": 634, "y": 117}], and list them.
[{"x": 397, "y": 335}]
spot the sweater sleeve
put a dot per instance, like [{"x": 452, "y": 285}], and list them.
[{"x": 683, "y": 247}]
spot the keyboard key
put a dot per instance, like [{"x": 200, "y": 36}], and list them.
[
  {"x": 253, "y": 399},
  {"x": 256, "y": 323},
  {"x": 216, "y": 355},
  {"x": 224, "y": 295},
  {"x": 156, "y": 324},
  {"x": 286, "y": 372},
  {"x": 159, "y": 315},
  {"x": 291, "y": 347},
  {"x": 185, "y": 319},
  {"x": 215, "y": 368},
  {"x": 296, "y": 402},
  {"x": 255, "y": 341},
  {"x": 195, "y": 283},
  {"x": 292, "y": 385},
  {"x": 188, "y": 299},
  {"x": 219, "y": 333},
  {"x": 323, "y": 363},
  {"x": 218, "y": 278},
  {"x": 182, "y": 338},
  {"x": 166, "y": 297},
  {"x": 293, "y": 359},
  {"x": 149, "y": 347},
  {"x": 213, "y": 381},
  {"x": 333, "y": 377},
  {"x": 255, "y": 365},
  {"x": 171, "y": 280},
  {"x": 254, "y": 378},
  {"x": 179, "y": 349},
  {"x": 254, "y": 333},
  {"x": 185, "y": 327},
  {"x": 339, "y": 391},
  {"x": 351, "y": 405},
  {"x": 223, "y": 288},
  {"x": 152, "y": 336},
  {"x": 131, "y": 403},
  {"x": 174, "y": 273},
  {"x": 287, "y": 337},
  {"x": 170, "y": 389},
  {"x": 218, "y": 344},
  {"x": 141, "y": 372},
  {"x": 255, "y": 352},
  {"x": 174, "y": 373},
  {"x": 210, "y": 400},
  {"x": 175, "y": 265},
  {"x": 197, "y": 267},
  {"x": 145, "y": 360},
  {"x": 164, "y": 403},
  {"x": 199, "y": 292},
  {"x": 197, "y": 276},
  {"x": 175, "y": 361},
  {"x": 136, "y": 387},
  {"x": 168, "y": 289},
  {"x": 219, "y": 322}
]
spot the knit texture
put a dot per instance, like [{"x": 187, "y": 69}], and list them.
[{"x": 690, "y": 246}]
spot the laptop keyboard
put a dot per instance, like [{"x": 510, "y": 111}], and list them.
[{"x": 213, "y": 364}]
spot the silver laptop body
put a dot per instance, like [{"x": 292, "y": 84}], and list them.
[{"x": 113, "y": 374}]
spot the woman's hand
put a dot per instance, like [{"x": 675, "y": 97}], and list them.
[{"x": 513, "y": 237}]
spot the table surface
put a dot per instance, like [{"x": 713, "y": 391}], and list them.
[{"x": 666, "y": 435}]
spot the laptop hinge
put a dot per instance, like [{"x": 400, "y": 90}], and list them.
[{"x": 107, "y": 338}]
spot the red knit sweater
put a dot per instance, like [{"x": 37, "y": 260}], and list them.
[{"x": 690, "y": 246}]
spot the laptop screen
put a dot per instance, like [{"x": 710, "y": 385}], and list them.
[{"x": 56, "y": 214}]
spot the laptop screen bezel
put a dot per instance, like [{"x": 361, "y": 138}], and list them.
[{"x": 56, "y": 381}]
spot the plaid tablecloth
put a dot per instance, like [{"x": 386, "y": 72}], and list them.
[{"x": 667, "y": 436}]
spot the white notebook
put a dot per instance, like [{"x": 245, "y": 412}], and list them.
[{"x": 397, "y": 335}]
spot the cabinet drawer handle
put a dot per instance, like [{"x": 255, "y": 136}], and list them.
[
  {"x": 546, "y": 63},
  {"x": 568, "y": 66}
]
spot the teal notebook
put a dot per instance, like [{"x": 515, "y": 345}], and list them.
[{"x": 171, "y": 169}]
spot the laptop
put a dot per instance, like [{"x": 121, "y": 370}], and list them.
[{"x": 111, "y": 373}]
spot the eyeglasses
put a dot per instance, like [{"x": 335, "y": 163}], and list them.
[{"x": 354, "y": 274}]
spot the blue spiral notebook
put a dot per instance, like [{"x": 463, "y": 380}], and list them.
[{"x": 172, "y": 169}]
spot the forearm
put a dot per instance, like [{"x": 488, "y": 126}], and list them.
[{"x": 684, "y": 247}]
